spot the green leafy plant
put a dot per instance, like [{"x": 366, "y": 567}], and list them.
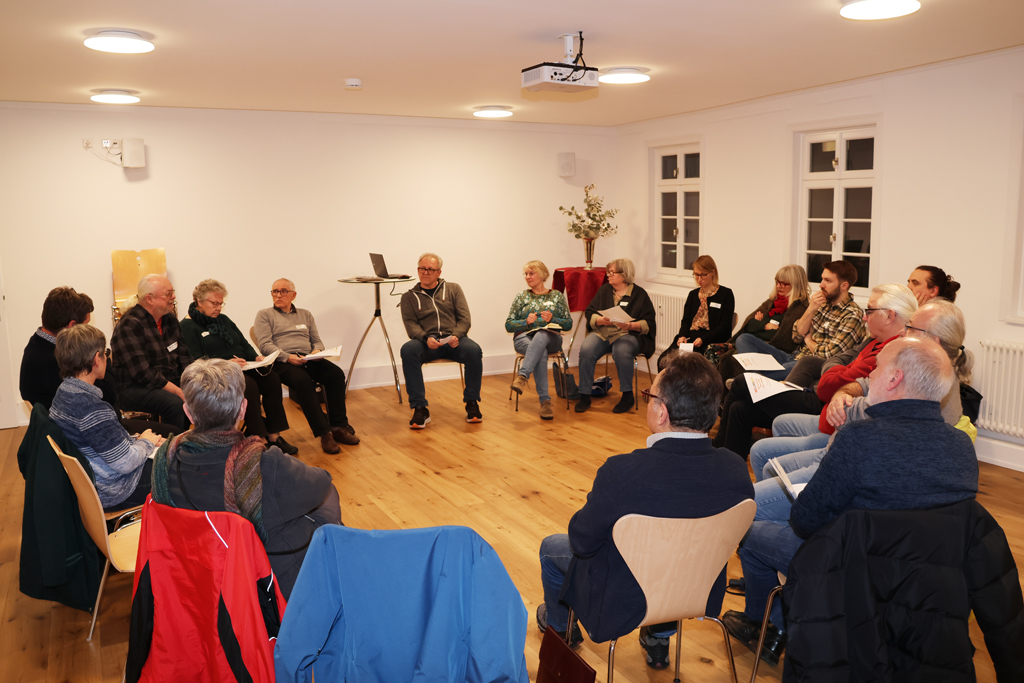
[{"x": 594, "y": 222}]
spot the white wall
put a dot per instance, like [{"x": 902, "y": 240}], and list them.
[
  {"x": 247, "y": 197},
  {"x": 948, "y": 154}
]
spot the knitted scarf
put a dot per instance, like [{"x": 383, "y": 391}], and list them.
[
  {"x": 780, "y": 305},
  {"x": 212, "y": 325},
  {"x": 243, "y": 483}
]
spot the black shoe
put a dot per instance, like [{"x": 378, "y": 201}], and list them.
[
  {"x": 625, "y": 403},
  {"x": 737, "y": 586},
  {"x": 420, "y": 418},
  {"x": 542, "y": 624},
  {"x": 583, "y": 404},
  {"x": 748, "y": 631},
  {"x": 656, "y": 648},
  {"x": 473, "y": 412},
  {"x": 284, "y": 446}
]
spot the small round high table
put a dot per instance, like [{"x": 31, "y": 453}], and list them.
[{"x": 376, "y": 282}]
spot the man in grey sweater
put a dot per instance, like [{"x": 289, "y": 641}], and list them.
[
  {"x": 292, "y": 331},
  {"x": 436, "y": 317}
]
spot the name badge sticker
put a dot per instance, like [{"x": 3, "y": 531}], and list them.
[
  {"x": 205, "y": 334},
  {"x": 300, "y": 326},
  {"x": 623, "y": 303},
  {"x": 172, "y": 347},
  {"x": 714, "y": 304}
]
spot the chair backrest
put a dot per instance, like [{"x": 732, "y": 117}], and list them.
[
  {"x": 89, "y": 505},
  {"x": 676, "y": 561},
  {"x": 252, "y": 335},
  {"x": 128, "y": 268}
]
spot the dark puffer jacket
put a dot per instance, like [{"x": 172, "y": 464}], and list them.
[{"x": 886, "y": 596}]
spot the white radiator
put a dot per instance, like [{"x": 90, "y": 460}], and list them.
[
  {"x": 669, "y": 310},
  {"x": 1001, "y": 382}
]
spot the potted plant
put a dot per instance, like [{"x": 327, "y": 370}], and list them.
[{"x": 592, "y": 223}]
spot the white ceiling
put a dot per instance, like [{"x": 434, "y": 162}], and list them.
[{"x": 440, "y": 58}]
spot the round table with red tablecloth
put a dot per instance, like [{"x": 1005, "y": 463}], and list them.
[{"x": 579, "y": 286}]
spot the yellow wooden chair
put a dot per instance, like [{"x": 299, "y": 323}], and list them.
[{"x": 128, "y": 268}]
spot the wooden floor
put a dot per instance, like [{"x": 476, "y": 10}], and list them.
[{"x": 513, "y": 478}]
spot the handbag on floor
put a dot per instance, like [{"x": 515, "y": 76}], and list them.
[
  {"x": 559, "y": 664},
  {"x": 570, "y": 383}
]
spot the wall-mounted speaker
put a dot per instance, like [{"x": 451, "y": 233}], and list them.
[
  {"x": 566, "y": 164},
  {"x": 133, "y": 153}
]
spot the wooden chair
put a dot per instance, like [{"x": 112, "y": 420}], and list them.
[
  {"x": 449, "y": 360},
  {"x": 563, "y": 365},
  {"x": 121, "y": 545},
  {"x": 128, "y": 268},
  {"x": 676, "y": 562}
]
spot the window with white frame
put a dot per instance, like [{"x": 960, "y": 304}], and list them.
[
  {"x": 677, "y": 222},
  {"x": 837, "y": 183}
]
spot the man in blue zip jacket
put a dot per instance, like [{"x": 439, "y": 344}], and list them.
[{"x": 436, "y": 316}]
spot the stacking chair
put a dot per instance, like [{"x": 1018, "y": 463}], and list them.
[
  {"x": 636, "y": 378},
  {"x": 558, "y": 357},
  {"x": 676, "y": 562},
  {"x": 128, "y": 268},
  {"x": 121, "y": 545},
  {"x": 764, "y": 624},
  {"x": 319, "y": 387},
  {"x": 449, "y": 360}
]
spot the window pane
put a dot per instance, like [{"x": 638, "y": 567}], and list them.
[
  {"x": 691, "y": 163},
  {"x": 819, "y": 203},
  {"x": 822, "y": 154},
  {"x": 861, "y": 264},
  {"x": 691, "y": 203},
  {"x": 668, "y": 203},
  {"x": 691, "y": 230},
  {"x": 668, "y": 256},
  {"x": 819, "y": 236},
  {"x": 668, "y": 230},
  {"x": 669, "y": 167},
  {"x": 860, "y": 154},
  {"x": 690, "y": 255},
  {"x": 815, "y": 264},
  {"x": 857, "y": 238},
  {"x": 858, "y": 202}
]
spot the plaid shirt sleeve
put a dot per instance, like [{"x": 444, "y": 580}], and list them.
[
  {"x": 141, "y": 355},
  {"x": 845, "y": 330}
]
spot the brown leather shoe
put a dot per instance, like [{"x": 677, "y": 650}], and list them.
[
  {"x": 345, "y": 435},
  {"x": 519, "y": 384},
  {"x": 329, "y": 445},
  {"x": 547, "y": 411}
]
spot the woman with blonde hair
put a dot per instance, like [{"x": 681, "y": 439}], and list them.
[
  {"x": 707, "y": 314},
  {"x": 537, "y": 318}
]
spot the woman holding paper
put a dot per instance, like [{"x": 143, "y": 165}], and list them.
[
  {"x": 208, "y": 333},
  {"x": 621, "y": 318},
  {"x": 537, "y": 318},
  {"x": 707, "y": 314}
]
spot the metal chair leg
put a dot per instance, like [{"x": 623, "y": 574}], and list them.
[
  {"x": 99, "y": 596},
  {"x": 611, "y": 659},
  {"x": 728, "y": 646},
  {"x": 764, "y": 629},
  {"x": 679, "y": 648}
]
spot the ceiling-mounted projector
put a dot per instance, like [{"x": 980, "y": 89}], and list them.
[{"x": 570, "y": 75}]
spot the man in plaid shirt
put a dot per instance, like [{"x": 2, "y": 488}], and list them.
[{"x": 149, "y": 355}]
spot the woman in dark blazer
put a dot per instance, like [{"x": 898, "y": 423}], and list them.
[
  {"x": 625, "y": 341},
  {"x": 208, "y": 333},
  {"x": 707, "y": 315}
]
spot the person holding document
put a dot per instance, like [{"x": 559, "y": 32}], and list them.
[
  {"x": 707, "y": 314},
  {"x": 292, "y": 332},
  {"x": 537, "y": 318},
  {"x": 627, "y": 334},
  {"x": 208, "y": 333}
]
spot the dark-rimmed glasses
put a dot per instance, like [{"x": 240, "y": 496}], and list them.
[
  {"x": 280, "y": 292},
  {"x": 646, "y": 393}
]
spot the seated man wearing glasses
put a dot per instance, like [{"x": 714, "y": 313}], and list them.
[
  {"x": 292, "y": 331},
  {"x": 436, "y": 317},
  {"x": 678, "y": 475},
  {"x": 149, "y": 354}
]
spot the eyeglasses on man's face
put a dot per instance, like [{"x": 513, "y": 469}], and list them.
[
  {"x": 646, "y": 393},
  {"x": 869, "y": 311},
  {"x": 911, "y": 331},
  {"x": 280, "y": 292},
  {"x": 428, "y": 271}
]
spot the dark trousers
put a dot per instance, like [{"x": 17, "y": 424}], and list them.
[
  {"x": 415, "y": 353},
  {"x": 740, "y": 414},
  {"x": 138, "y": 426},
  {"x": 267, "y": 387},
  {"x": 299, "y": 380},
  {"x": 154, "y": 401}
]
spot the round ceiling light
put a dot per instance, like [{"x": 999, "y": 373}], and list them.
[
  {"x": 492, "y": 111},
  {"x": 867, "y": 10},
  {"x": 120, "y": 41},
  {"x": 109, "y": 96},
  {"x": 624, "y": 74}
]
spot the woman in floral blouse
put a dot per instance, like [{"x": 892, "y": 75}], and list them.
[{"x": 537, "y": 318}]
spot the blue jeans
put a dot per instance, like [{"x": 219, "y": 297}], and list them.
[
  {"x": 781, "y": 447},
  {"x": 767, "y": 549},
  {"x": 536, "y": 350},
  {"x": 555, "y": 557},
  {"x": 415, "y": 353},
  {"x": 624, "y": 350},
  {"x": 748, "y": 343},
  {"x": 795, "y": 424},
  {"x": 773, "y": 502}
]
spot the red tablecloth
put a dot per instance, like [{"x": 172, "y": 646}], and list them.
[{"x": 579, "y": 285}]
